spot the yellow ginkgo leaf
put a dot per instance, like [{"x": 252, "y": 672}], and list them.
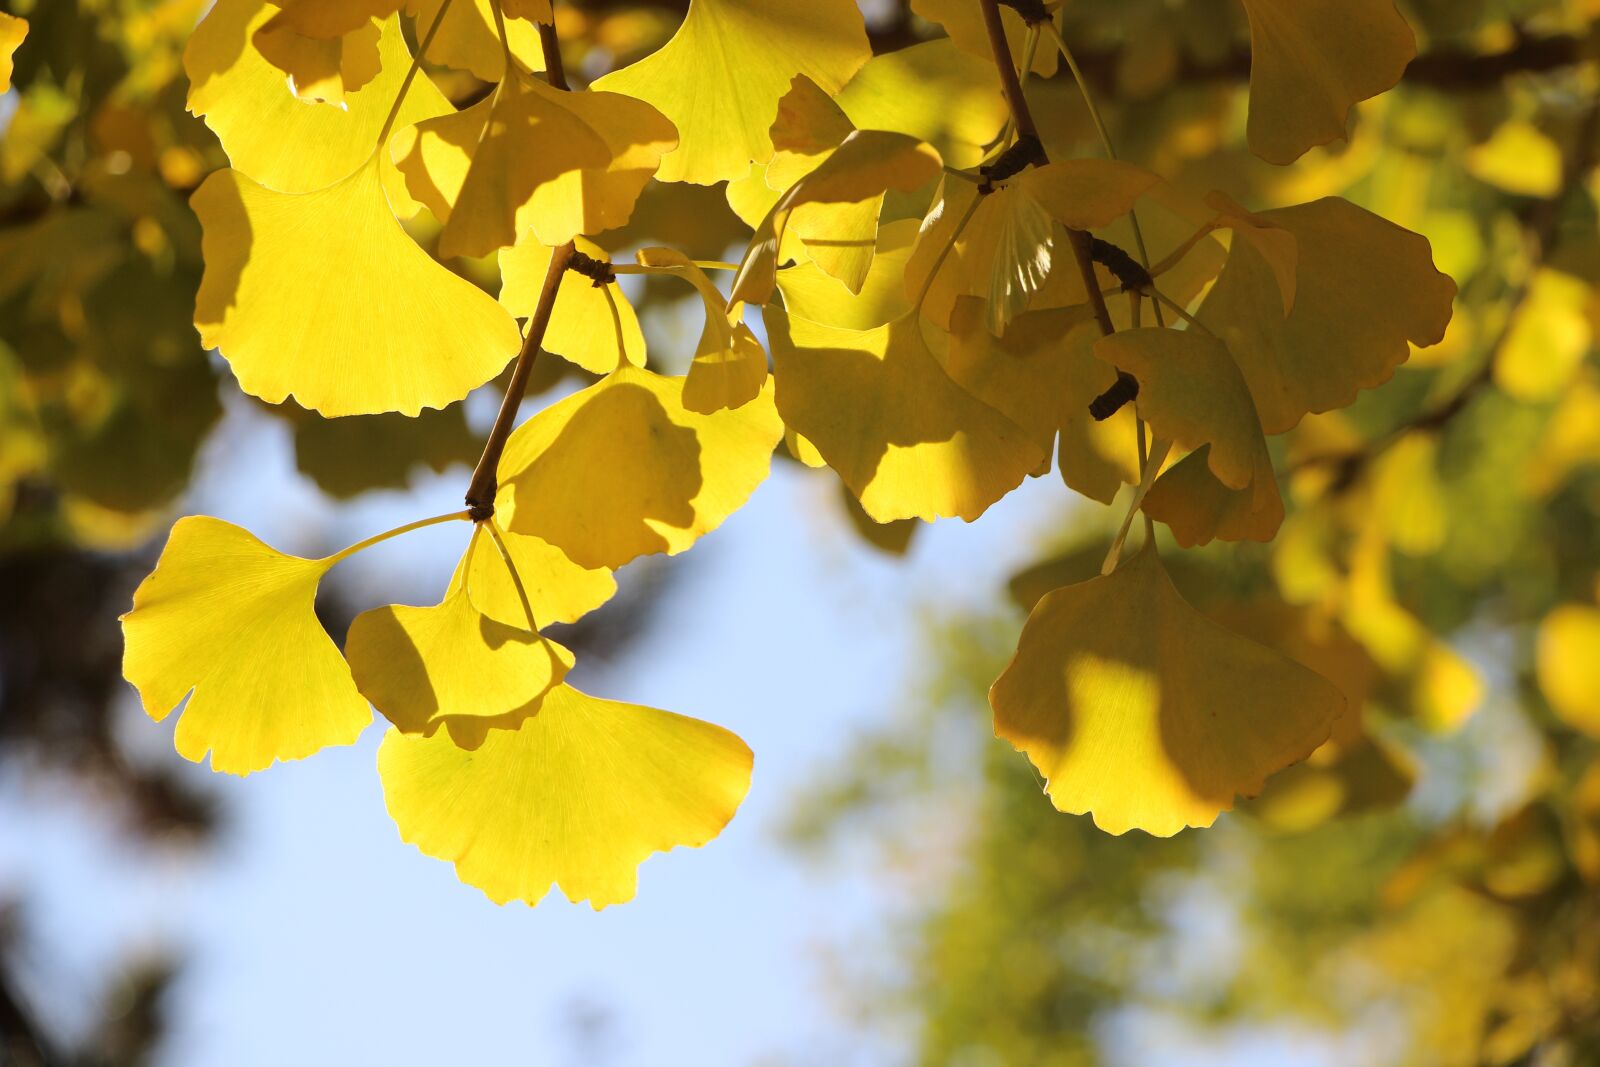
[
  {"x": 582, "y": 328},
  {"x": 271, "y": 136},
  {"x": 1277, "y": 246},
  {"x": 323, "y": 297},
  {"x": 933, "y": 92},
  {"x": 809, "y": 126},
  {"x": 1097, "y": 458},
  {"x": 1191, "y": 393},
  {"x": 729, "y": 366},
  {"x": 558, "y": 589},
  {"x": 1138, "y": 709},
  {"x": 623, "y": 468},
  {"x": 1037, "y": 375},
  {"x": 1568, "y": 664},
  {"x": 834, "y": 210},
  {"x": 578, "y": 795},
  {"x": 810, "y": 293},
  {"x": 1366, "y": 290},
  {"x": 469, "y": 40},
  {"x": 427, "y": 667},
  {"x": 532, "y": 10},
  {"x": 1010, "y": 246},
  {"x": 328, "y": 19},
  {"x": 322, "y": 68},
  {"x": 721, "y": 76},
  {"x": 232, "y": 623},
  {"x": 13, "y": 31},
  {"x": 532, "y": 157},
  {"x": 1311, "y": 61},
  {"x": 906, "y": 439},
  {"x": 963, "y": 21}
]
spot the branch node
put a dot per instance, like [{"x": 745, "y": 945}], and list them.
[
  {"x": 1108, "y": 403},
  {"x": 479, "y": 511},
  {"x": 1033, "y": 12},
  {"x": 1127, "y": 270},
  {"x": 1027, "y": 152},
  {"x": 597, "y": 271}
]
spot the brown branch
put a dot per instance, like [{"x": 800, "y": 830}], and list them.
[{"x": 485, "y": 483}]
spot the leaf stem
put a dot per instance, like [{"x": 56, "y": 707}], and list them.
[
  {"x": 361, "y": 546},
  {"x": 944, "y": 253},
  {"x": 485, "y": 482},
  {"x": 411, "y": 73},
  {"x": 516, "y": 579},
  {"x": 643, "y": 268}
]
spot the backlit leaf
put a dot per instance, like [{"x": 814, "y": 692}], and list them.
[
  {"x": 729, "y": 366},
  {"x": 558, "y": 589},
  {"x": 232, "y": 624},
  {"x": 1311, "y": 61},
  {"x": 321, "y": 69},
  {"x": 468, "y": 39},
  {"x": 721, "y": 76},
  {"x": 578, "y": 795},
  {"x": 1141, "y": 711},
  {"x": 274, "y": 138},
  {"x": 323, "y": 297},
  {"x": 1365, "y": 291},
  {"x": 906, "y": 439},
  {"x": 623, "y": 468},
  {"x": 582, "y": 329}
]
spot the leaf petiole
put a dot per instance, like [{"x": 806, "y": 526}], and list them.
[
  {"x": 361, "y": 546},
  {"x": 411, "y": 73},
  {"x": 511, "y": 568}
]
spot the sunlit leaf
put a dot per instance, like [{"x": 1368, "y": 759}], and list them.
[
  {"x": 720, "y": 77},
  {"x": 232, "y": 624},
  {"x": 623, "y": 468},
  {"x": 532, "y": 157},
  {"x": 729, "y": 366},
  {"x": 1311, "y": 61},
  {"x": 908, "y": 440},
  {"x": 427, "y": 667},
  {"x": 322, "y": 68},
  {"x": 469, "y": 40},
  {"x": 319, "y": 296},
  {"x": 1141, "y": 711},
  {"x": 558, "y": 589},
  {"x": 1365, "y": 291},
  {"x": 578, "y": 795},
  {"x": 812, "y": 294},
  {"x": 271, "y": 136},
  {"x": 932, "y": 92},
  {"x": 582, "y": 329}
]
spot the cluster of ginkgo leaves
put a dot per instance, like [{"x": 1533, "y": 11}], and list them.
[{"x": 949, "y": 312}]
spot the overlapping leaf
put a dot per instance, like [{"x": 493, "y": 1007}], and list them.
[
  {"x": 532, "y": 157},
  {"x": 729, "y": 366},
  {"x": 624, "y": 468},
  {"x": 1141, "y": 711},
  {"x": 323, "y": 297},
  {"x": 720, "y": 77},
  {"x": 584, "y": 329},
  {"x": 577, "y": 795},
  {"x": 906, "y": 439},
  {"x": 558, "y": 590}
]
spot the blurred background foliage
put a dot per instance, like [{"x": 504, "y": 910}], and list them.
[{"x": 1424, "y": 890}]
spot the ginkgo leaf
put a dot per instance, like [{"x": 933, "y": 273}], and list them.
[
  {"x": 963, "y": 21},
  {"x": 906, "y": 439},
  {"x": 532, "y": 10},
  {"x": 427, "y": 667},
  {"x": 1311, "y": 61},
  {"x": 835, "y": 208},
  {"x": 1098, "y": 457},
  {"x": 13, "y": 31},
  {"x": 578, "y": 795},
  {"x": 933, "y": 92},
  {"x": 623, "y": 468},
  {"x": 810, "y": 293},
  {"x": 1191, "y": 393},
  {"x": 729, "y": 366},
  {"x": 1365, "y": 291},
  {"x": 1568, "y": 662},
  {"x": 1138, "y": 709},
  {"x": 558, "y": 589},
  {"x": 532, "y": 157},
  {"x": 1037, "y": 375},
  {"x": 1010, "y": 246},
  {"x": 721, "y": 76},
  {"x": 232, "y": 623},
  {"x": 269, "y": 135},
  {"x": 322, "y": 68},
  {"x": 1277, "y": 246},
  {"x": 323, "y": 297},
  {"x": 582, "y": 329},
  {"x": 809, "y": 126},
  {"x": 469, "y": 40}
]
